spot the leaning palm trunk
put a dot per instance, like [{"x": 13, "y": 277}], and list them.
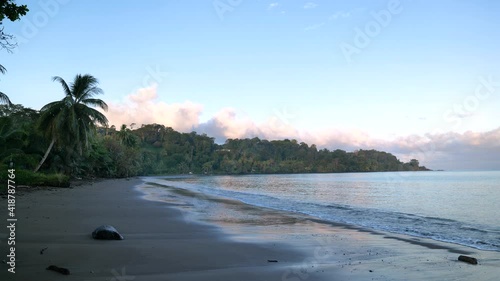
[{"x": 46, "y": 154}]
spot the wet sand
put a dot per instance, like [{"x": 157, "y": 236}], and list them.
[{"x": 169, "y": 241}]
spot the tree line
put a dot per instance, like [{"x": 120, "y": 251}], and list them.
[{"x": 64, "y": 137}]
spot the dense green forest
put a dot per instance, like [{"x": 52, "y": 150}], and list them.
[{"x": 156, "y": 149}]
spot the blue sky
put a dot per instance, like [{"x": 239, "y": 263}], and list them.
[{"x": 416, "y": 78}]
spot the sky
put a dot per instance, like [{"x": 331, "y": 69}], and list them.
[{"x": 419, "y": 79}]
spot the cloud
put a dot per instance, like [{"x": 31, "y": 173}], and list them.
[
  {"x": 314, "y": 26},
  {"x": 339, "y": 14},
  {"x": 444, "y": 150},
  {"x": 143, "y": 107},
  {"x": 447, "y": 150},
  {"x": 310, "y": 5},
  {"x": 273, "y": 5},
  {"x": 228, "y": 123}
]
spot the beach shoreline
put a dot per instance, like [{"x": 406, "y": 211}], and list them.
[{"x": 161, "y": 243}]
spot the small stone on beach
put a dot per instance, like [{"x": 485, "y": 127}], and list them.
[{"x": 106, "y": 232}]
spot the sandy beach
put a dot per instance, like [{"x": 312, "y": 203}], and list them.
[{"x": 163, "y": 243}]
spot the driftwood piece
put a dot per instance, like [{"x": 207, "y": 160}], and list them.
[
  {"x": 61, "y": 270},
  {"x": 467, "y": 259}
]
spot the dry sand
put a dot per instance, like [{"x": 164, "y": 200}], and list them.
[{"x": 161, "y": 243}]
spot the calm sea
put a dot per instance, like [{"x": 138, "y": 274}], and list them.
[{"x": 457, "y": 207}]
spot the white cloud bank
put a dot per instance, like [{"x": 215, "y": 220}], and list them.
[
  {"x": 143, "y": 107},
  {"x": 470, "y": 150}
]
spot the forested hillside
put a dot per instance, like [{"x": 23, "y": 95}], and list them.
[{"x": 156, "y": 149}]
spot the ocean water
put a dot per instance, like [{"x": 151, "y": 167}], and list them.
[{"x": 456, "y": 207}]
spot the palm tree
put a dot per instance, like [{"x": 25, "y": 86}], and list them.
[
  {"x": 3, "y": 97},
  {"x": 126, "y": 136},
  {"x": 72, "y": 120}
]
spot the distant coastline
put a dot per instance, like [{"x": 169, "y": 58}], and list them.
[
  {"x": 163, "y": 150},
  {"x": 154, "y": 149}
]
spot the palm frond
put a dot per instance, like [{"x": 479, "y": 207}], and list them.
[
  {"x": 96, "y": 103},
  {"x": 90, "y": 92},
  {"x": 52, "y": 106},
  {"x": 5, "y": 99},
  {"x": 81, "y": 85},
  {"x": 65, "y": 86},
  {"x": 93, "y": 115},
  {"x": 50, "y": 118}
]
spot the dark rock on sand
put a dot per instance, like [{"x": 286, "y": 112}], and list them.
[
  {"x": 467, "y": 259},
  {"x": 61, "y": 270},
  {"x": 106, "y": 232}
]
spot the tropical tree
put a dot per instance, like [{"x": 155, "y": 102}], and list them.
[
  {"x": 126, "y": 136},
  {"x": 3, "y": 97},
  {"x": 8, "y": 134},
  {"x": 72, "y": 121},
  {"x": 13, "y": 12},
  {"x": 19, "y": 142}
]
